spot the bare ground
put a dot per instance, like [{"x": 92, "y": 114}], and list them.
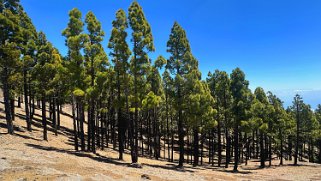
[{"x": 25, "y": 156}]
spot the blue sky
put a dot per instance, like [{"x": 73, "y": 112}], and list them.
[{"x": 277, "y": 43}]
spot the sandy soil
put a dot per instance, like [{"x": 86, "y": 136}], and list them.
[{"x": 25, "y": 156}]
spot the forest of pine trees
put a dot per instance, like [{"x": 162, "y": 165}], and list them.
[{"x": 148, "y": 107}]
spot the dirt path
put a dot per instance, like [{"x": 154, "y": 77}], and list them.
[{"x": 24, "y": 156}]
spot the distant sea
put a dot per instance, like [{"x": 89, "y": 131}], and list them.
[{"x": 310, "y": 96}]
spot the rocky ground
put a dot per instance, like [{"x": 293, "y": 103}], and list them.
[{"x": 25, "y": 156}]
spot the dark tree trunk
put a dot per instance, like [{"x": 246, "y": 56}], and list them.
[
  {"x": 312, "y": 151},
  {"x": 209, "y": 148},
  {"x": 157, "y": 135},
  {"x": 247, "y": 146},
  {"x": 38, "y": 104},
  {"x": 74, "y": 124},
  {"x": 12, "y": 108},
  {"x": 236, "y": 147},
  {"x": 93, "y": 127},
  {"x": 219, "y": 144},
  {"x": 196, "y": 147},
  {"x": 202, "y": 148},
  {"x": 121, "y": 133},
  {"x": 319, "y": 159},
  {"x": 257, "y": 144},
  {"x": 180, "y": 139},
  {"x": 172, "y": 140},
  {"x": 297, "y": 136},
  {"x": 19, "y": 101},
  {"x": 44, "y": 119},
  {"x": 54, "y": 120},
  {"x": 270, "y": 150},
  {"x": 133, "y": 152},
  {"x": 7, "y": 104},
  {"x": 121, "y": 121},
  {"x": 82, "y": 121},
  {"x": 213, "y": 145},
  {"x": 281, "y": 147},
  {"x": 58, "y": 115},
  {"x": 290, "y": 145},
  {"x": 89, "y": 129},
  {"x": 228, "y": 148},
  {"x": 25, "y": 92},
  {"x": 262, "y": 151}
]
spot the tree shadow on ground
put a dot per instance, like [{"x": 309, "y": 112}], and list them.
[
  {"x": 169, "y": 166},
  {"x": 15, "y": 128},
  {"x": 66, "y": 114},
  {"x": 243, "y": 172},
  {"x": 36, "y": 122},
  {"x": 26, "y": 137},
  {"x": 95, "y": 157}
]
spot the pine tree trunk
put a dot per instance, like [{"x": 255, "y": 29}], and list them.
[
  {"x": 58, "y": 115},
  {"x": 97, "y": 127},
  {"x": 228, "y": 148},
  {"x": 196, "y": 147},
  {"x": 281, "y": 147},
  {"x": 219, "y": 144},
  {"x": 80, "y": 122},
  {"x": 89, "y": 129},
  {"x": 213, "y": 145},
  {"x": 297, "y": 136},
  {"x": 319, "y": 151},
  {"x": 12, "y": 108},
  {"x": 25, "y": 92},
  {"x": 44, "y": 119},
  {"x": 236, "y": 147},
  {"x": 74, "y": 123},
  {"x": 262, "y": 151},
  {"x": 7, "y": 103},
  {"x": 54, "y": 120},
  {"x": 257, "y": 144},
  {"x": 93, "y": 126},
  {"x": 121, "y": 133},
  {"x": 290, "y": 145},
  {"x": 247, "y": 145},
  {"x": 180, "y": 128},
  {"x": 202, "y": 148},
  {"x": 270, "y": 150},
  {"x": 172, "y": 140},
  {"x": 209, "y": 148},
  {"x": 19, "y": 101}
]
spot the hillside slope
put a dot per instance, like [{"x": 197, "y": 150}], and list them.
[{"x": 25, "y": 156}]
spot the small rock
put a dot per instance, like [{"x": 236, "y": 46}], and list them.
[
  {"x": 144, "y": 176},
  {"x": 21, "y": 179},
  {"x": 3, "y": 158},
  {"x": 136, "y": 165}
]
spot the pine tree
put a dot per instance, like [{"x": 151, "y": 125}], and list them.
[
  {"x": 199, "y": 106},
  {"x": 9, "y": 53},
  {"x": 75, "y": 40},
  {"x": 178, "y": 46},
  {"x": 28, "y": 49},
  {"x": 120, "y": 53},
  {"x": 142, "y": 40},
  {"x": 261, "y": 111},
  {"x": 95, "y": 61},
  {"x": 219, "y": 84},
  {"x": 43, "y": 71},
  {"x": 152, "y": 105},
  {"x": 239, "y": 86},
  {"x": 297, "y": 109}
]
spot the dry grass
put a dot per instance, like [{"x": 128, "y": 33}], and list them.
[{"x": 25, "y": 156}]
